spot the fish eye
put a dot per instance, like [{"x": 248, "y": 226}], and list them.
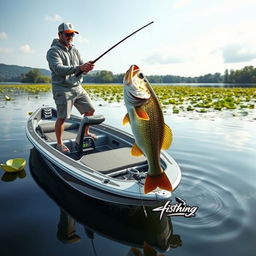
[{"x": 140, "y": 75}]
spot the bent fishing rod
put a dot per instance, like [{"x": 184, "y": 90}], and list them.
[{"x": 79, "y": 73}]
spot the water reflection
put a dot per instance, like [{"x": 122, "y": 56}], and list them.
[
  {"x": 12, "y": 176},
  {"x": 128, "y": 225},
  {"x": 66, "y": 228}
]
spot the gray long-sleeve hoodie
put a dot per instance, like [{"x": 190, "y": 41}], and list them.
[{"x": 64, "y": 64}]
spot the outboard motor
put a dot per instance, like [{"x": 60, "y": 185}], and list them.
[
  {"x": 47, "y": 112},
  {"x": 86, "y": 143}
]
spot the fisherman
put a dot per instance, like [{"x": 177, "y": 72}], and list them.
[{"x": 65, "y": 62}]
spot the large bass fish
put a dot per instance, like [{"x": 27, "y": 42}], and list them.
[{"x": 147, "y": 122}]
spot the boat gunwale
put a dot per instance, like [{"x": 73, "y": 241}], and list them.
[{"x": 79, "y": 171}]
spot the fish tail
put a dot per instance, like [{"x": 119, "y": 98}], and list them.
[{"x": 161, "y": 181}]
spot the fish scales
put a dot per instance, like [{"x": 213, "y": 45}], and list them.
[
  {"x": 153, "y": 132},
  {"x": 147, "y": 122}
]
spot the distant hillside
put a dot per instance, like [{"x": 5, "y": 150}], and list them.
[{"x": 11, "y": 73}]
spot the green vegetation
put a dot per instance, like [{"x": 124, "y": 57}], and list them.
[
  {"x": 14, "y": 73},
  {"x": 103, "y": 76},
  {"x": 245, "y": 75},
  {"x": 34, "y": 76},
  {"x": 178, "y": 98},
  {"x": 108, "y": 77},
  {"x": 203, "y": 99},
  {"x": 10, "y": 89}
]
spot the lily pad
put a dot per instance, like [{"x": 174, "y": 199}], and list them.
[
  {"x": 14, "y": 165},
  {"x": 7, "y": 98}
]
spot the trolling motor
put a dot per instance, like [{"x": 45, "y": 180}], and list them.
[
  {"x": 46, "y": 112},
  {"x": 86, "y": 143}
]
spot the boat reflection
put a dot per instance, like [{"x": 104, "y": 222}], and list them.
[{"x": 137, "y": 227}]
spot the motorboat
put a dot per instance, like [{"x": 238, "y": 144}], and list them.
[
  {"x": 101, "y": 168},
  {"x": 131, "y": 226}
]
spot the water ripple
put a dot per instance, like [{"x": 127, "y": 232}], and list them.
[{"x": 220, "y": 212}]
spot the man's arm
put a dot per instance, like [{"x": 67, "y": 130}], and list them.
[{"x": 56, "y": 65}]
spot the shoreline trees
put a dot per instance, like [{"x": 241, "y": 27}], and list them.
[{"x": 245, "y": 75}]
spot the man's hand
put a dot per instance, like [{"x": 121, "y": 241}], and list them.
[{"x": 86, "y": 67}]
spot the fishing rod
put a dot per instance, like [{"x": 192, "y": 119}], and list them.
[{"x": 79, "y": 73}]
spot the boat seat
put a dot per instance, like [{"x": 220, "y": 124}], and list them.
[
  {"x": 112, "y": 160},
  {"x": 87, "y": 120},
  {"x": 48, "y": 130},
  {"x": 50, "y": 126}
]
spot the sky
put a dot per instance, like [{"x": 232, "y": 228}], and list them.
[{"x": 187, "y": 38}]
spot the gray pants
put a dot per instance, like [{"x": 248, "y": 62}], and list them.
[{"x": 77, "y": 97}]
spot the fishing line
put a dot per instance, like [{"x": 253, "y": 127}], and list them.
[
  {"x": 139, "y": 186},
  {"x": 79, "y": 73}
]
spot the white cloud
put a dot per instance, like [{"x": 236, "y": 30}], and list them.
[
  {"x": 234, "y": 44},
  {"x": 26, "y": 49},
  {"x": 6, "y": 50},
  {"x": 81, "y": 39},
  {"x": 238, "y": 53},
  {"x": 224, "y": 46},
  {"x": 181, "y": 3},
  {"x": 3, "y": 35},
  {"x": 224, "y": 7},
  {"x": 162, "y": 58},
  {"x": 53, "y": 18}
]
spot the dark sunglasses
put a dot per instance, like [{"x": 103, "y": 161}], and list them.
[{"x": 69, "y": 34}]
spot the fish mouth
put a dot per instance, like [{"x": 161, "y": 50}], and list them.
[
  {"x": 130, "y": 73},
  {"x": 135, "y": 94}
]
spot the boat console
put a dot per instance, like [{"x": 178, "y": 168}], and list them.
[{"x": 86, "y": 143}]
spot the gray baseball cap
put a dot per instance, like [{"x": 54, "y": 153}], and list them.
[{"x": 67, "y": 27}]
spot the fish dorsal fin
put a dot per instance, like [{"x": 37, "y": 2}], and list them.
[
  {"x": 141, "y": 113},
  {"x": 136, "y": 151},
  {"x": 126, "y": 119},
  {"x": 167, "y": 138}
]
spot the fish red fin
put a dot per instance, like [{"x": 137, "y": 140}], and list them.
[
  {"x": 167, "y": 138},
  {"x": 161, "y": 181},
  {"x": 141, "y": 113},
  {"x": 126, "y": 119},
  {"x": 136, "y": 151}
]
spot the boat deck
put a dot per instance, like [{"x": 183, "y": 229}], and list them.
[
  {"x": 108, "y": 156},
  {"x": 47, "y": 129}
]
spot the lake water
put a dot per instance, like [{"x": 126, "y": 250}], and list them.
[{"x": 216, "y": 153}]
